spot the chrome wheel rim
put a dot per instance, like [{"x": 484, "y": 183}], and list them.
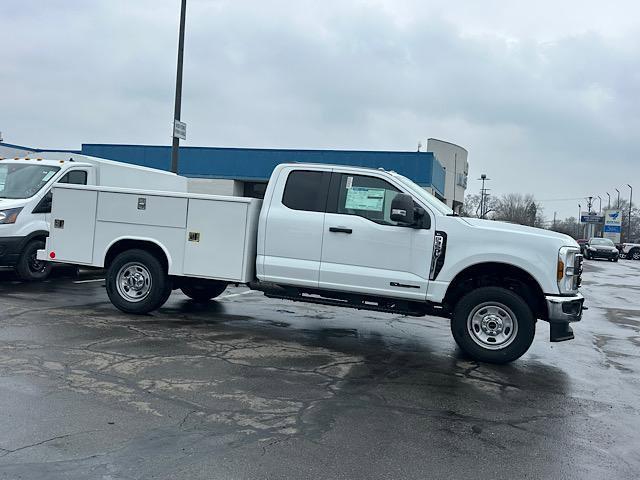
[
  {"x": 636, "y": 255},
  {"x": 492, "y": 325},
  {"x": 133, "y": 282}
]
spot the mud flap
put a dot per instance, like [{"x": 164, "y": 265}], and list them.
[{"x": 560, "y": 332}]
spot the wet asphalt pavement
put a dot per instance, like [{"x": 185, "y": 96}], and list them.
[{"x": 253, "y": 388}]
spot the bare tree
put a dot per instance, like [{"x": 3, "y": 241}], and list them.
[{"x": 519, "y": 208}]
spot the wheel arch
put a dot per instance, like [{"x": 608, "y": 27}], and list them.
[
  {"x": 36, "y": 235},
  {"x": 120, "y": 245},
  {"x": 498, "y": 274}
]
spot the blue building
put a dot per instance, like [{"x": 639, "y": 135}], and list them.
[{"x": 245, "y": 171}]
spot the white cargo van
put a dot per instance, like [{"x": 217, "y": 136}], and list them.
[
  {"x": 25, "y": 199},
  {"x": 344, "y": 236}
]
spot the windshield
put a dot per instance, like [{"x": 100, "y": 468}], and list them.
[
  {"x": 430, "y": 199},
  {"x": 602, "y": 241},
  {"x": 23, "y": 181}
]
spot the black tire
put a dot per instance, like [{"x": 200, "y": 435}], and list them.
[
  {"x": 634, "y": 254},
  {"x": 137, "y": 282},
  {"x": 29, "y": 268},
  {"x": 494, "y": 301},
  {"x": 204, "y": 290},
  {"x": 615, "y": 259}
]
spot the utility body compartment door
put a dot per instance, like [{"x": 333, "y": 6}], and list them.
[
  {"x": 216, "y": 239},
  {"x": 73, "y": 224},
  {"x": 363, "y": 251}
]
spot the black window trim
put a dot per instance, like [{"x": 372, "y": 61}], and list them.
[{"x": 324, "y": 186}]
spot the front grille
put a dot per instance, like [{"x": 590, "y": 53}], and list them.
[{"x": 577, "y": 271}]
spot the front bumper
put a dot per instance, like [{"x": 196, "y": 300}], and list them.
[
  {"x": 603, "y": 254},
  {"x": 10, "y": 248},
  {"x": 562, "y": 311}
]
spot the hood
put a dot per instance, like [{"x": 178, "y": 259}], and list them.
[
  {"x": 604, "y": 248},
  {"x": 6, "y": 203},
  {"x": 521, "y": 229}
]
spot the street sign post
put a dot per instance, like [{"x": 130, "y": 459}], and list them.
[
  {"x": 591, "y": 217},
  {"x": 179, "y": 130}
]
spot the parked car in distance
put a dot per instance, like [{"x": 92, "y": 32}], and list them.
[
  {"x": 631, "y": 250},
  {"x": 601, "y": 248},
  {"x": 583, "y": 244}
]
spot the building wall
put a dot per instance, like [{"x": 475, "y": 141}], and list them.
[
  {"x": 256, "y": 164},
  {"x": 215, "y": 186},
  {"x": 454, "y": 160}
]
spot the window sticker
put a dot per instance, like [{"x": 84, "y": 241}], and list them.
[
  {"x": 48, "y": 176},
  {"x": 349, "y": 182},
  {"x": 363, "y": 198}
]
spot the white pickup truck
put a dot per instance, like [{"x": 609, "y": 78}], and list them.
[
  {"x": 25, "y": 199},
  {"x": 631, "y": 251},
  {"x": 344, "y": 236}
]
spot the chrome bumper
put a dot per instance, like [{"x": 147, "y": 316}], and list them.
[{"x": 565, "y": 309}]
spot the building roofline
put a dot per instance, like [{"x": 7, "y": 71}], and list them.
[
  {"x": 306, "y": 150},
  {"x": 450, "y": 143}
]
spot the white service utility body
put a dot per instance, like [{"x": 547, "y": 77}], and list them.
[
  {"x": 337, "y": 235},
  {"x": 25, "y": 198}
]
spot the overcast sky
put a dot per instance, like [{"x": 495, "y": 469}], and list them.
[{"x": 544, "y": 95}]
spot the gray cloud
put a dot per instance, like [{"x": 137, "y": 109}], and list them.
[{"x": 544, "y": 98}]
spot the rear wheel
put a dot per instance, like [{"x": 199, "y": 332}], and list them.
[
  {"x": 634, "y": 254},
  {"x": 493, "y": 324},
  {"x": 137, "y": 282},
  {"x": 29, "y": 268},
  {"x": 203, "y": 290}
]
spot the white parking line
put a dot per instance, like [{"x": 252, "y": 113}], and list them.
[{"x": 89, "y": 281}]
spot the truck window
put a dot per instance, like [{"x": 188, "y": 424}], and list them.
[
  {"x": 75, "y": 177},
  {"x": 364, "y": 196},
  {"x": 306, "y": 190}
]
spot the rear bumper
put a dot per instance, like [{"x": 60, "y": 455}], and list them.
[{"x": 10, "y": 248}]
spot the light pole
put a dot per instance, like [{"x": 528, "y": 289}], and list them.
[
  {"x": 175, "y": 146},
  {"x": 578, "y": 222},
  {"x": 609, "y": 202},
  {"x": 618, "y": 198},
  {"x": 600, "y": 198},
  {"x": 483, "y": 194},
  {"x": 630, "y": 199}
]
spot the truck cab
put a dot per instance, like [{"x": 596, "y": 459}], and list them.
[
  {"x": 25, "y": 208},
  {"x": 26, "y": 188}
]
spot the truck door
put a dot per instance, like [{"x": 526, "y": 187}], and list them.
[
  {"x": 294, "y": 228},
  {"x": 363, "y": 250},
  {"x": 76, "y": 176}
]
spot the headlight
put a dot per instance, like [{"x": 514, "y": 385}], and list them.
[
  {"x": 565, "y": 271},
  {"x": 10, "y": 215}
]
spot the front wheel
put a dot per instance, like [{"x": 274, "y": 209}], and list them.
[
  {"x": 204, "y": 290},
  {"x": 29, "y": 268},
  {"x": 493, "y": 324},
  {"x": 137, "y": 282}
]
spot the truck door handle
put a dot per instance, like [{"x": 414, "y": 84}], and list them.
[{"x": 340, "y": 230}]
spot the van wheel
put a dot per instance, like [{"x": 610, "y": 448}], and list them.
[
  {"x": 202, "y": 291},
  {"x": 634, "y": 254},
  {"x": 29, "y": 268},
  {"x": 137, "y": 282},
  {"x": 493, "y": 324}
]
